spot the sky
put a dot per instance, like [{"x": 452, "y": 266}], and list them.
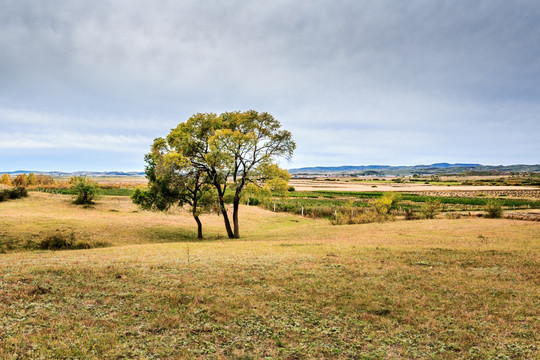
[{"x": 88, "y": 85}]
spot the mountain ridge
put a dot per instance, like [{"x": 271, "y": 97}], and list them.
[{"x": 411, "y": 169}]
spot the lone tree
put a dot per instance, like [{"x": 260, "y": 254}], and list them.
[
  {"x": 173, "y": 181},
  {"x": 85, "y": 191},
  {"x": 232, "y": 150}
]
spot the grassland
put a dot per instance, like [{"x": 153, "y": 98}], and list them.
[{"x": 291, "y": 288}]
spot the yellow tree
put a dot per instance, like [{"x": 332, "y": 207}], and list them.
[
  {"x": 5, "y": 179},
  {"x": 32, "y": 180}
]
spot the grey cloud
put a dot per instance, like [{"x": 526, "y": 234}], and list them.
[{"x": 367, "y": 81}]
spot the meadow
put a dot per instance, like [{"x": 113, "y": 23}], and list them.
[{"x": 293, "y": 287}]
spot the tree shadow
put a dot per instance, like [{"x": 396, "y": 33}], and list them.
[{"x": 157, "y": 234}]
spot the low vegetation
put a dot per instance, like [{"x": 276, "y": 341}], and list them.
[{"x": 13, "y": 193}]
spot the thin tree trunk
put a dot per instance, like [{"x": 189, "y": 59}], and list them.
[
  {"x": 236, "y": 203},
  {"x": 230, "y": 233},
  {"x": 199, "y": 227}
]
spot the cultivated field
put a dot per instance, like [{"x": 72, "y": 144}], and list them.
[
  {"x": 341, "y": 185},
  {"x": 291, "y": 288}
]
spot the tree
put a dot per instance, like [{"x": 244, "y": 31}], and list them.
[
  {"x": 386, "y": 203},
  {"x": 44, "y": 179},
  {"x": 172, "y": 180},
  {"x": 32, "y": 180},
  {"x": 431, "y": 208},
  {"x": 20, "y": 180},
  {"x": 85, "y": 191},
  {"x": 5, "y": 179},
  {"x": 493, "y": 209},
  {"x": 233, "y": 149}
]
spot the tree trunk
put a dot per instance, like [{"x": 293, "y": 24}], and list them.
[
  {"x": 230, "y": 233},
  {"x": 199, "y": 227},
  {"x": 236, "y": 203},
  {"x": 221, "y": 194}
]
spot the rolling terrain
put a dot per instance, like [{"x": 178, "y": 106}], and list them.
[{"x": 292, "y": 287}]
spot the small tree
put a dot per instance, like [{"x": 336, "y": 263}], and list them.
[
  {"x": 44, "y": 179},
  {"x": 20, "y": 180},
  {"x": 5, "y": 179},
  {"x": 85, "y": 191},
  {"x": 493, "y": 209},
  {"x": 32, "y": 180},
  {"x": 173, "y": 181},
  {"x": 431, "y": 208},
  {"x": 386, "y": 203}
]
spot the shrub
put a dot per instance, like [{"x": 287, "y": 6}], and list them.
[
  {"x": 410, "y": 214},
  {"x": 362, "y": 217},
  {"x": 493, "y": 209},
  {"x": 386, "y": 203},
  {"x": 431, "y": 208},
  {"x": 291, "y": 188},
  {"x": 11, "y": 194},
  {"x": 85, "y": 190},
  {"x": 61, "y": 241}
]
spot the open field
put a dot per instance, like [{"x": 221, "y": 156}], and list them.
[
  {"x": 340, "y": 185},
  {"x": 291, "y": 288}
]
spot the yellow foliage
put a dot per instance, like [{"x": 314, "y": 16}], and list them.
[{"x": 5, "y": 179}]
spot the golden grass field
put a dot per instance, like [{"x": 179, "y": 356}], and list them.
[{"x": 291, "y": 288}]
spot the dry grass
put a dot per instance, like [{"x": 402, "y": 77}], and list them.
[{"x": 291, "y": 288}]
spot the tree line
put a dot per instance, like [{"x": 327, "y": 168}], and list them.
[{"x": 27, "y": 180}]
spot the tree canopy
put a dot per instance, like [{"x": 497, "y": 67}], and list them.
[{"x": 225, "y": 152}]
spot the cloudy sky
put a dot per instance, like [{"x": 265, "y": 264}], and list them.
[{"x": 87, "y": 85}]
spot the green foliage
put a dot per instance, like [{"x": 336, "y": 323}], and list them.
[
  {"x": 11, "y": 194},
  {"x": 85, "y": 191},
  {"x": 172, "y": 180},
  {"x": 493, "y": 209},
  {"x": 431, "y": 208},
  {"x": 454, "y": 200},
  {"x": 230, "y": 152}
]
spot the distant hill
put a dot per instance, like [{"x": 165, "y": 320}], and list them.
[{"x": 437, "y": 168}]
